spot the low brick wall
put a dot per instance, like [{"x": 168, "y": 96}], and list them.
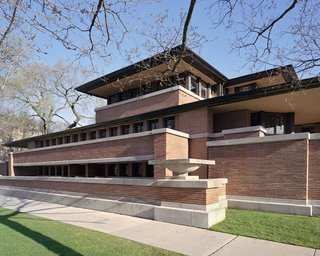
[
  {"x": 196, "y": 203},
  {"x": 314, "y": 169},
  {"x": 195, "y": 196},
  {"x": 269, "y": 169}
]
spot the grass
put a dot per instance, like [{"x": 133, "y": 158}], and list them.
[
  {"x": 284, "y": 228},
  {"x": 23, "y": 234}
]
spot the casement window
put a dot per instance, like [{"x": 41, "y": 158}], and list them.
[
  {"x": 93, "y": 135},
  {"x": 170, "y": 122},
  {"x": 112, "y": 170},
  {"x": 124, "y": 170},
  {"x": 67, "y": 139},
  {"x": 83, "y": 136},
  {"x": 137, "y": 169},
  {"x": 75, "y": 137},
  {"x": 114, "y": 98},
  {"x": 125, "y": 129},
  {"x": 245, "y": 88},
  {"x": 274, "y": 123},
  {"x": 194, "y": 85},
  {"x": 138, "y": 127},
  {"x": 153, "y": 124},
  {"x": 60, "y": 140},
  {"x": 125, "y": 95},
  {"x": 113, "y": 131},
  {"x": 102, "y": 133},
  {"x": 149, "y": 171}
]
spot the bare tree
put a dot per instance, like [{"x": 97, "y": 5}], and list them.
[
  {"x": 273, "y": 32},
  {"x": 103, "y": 24},
  {"x": 48, "y": 94},
  {"x": 20, "y": 126}
]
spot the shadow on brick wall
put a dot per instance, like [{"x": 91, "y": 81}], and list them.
[{"x": 3, "y": 168}]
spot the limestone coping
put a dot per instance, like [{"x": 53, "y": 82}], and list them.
[
  {"x": 201, "y": 184},
  {"x": 98, "y": 180},
  {"x": 181, "y": 167},
  {"x": 108, "y": 139},
  {"x": 266, "y": 139}
]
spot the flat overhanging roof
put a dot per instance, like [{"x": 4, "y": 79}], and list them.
[
  {"x": 302, "y": 98},
  {"x": 152, "y": 69},
  {"x": 305, "y": 103}
]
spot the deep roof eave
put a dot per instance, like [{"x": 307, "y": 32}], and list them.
[{"x": 306, "y": 84}]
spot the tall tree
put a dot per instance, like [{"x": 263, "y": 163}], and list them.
[
  {"x": 87, "y": 28},
  {"x": 48, "y": 94},
  {"x": 19, "y": 127}
]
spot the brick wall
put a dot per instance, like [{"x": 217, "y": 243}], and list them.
[
  {"x": 198, "y": 149},
  {"x": 168, "y": 146},
  {"x": 176, "y": 195},
  {"x": 272, "y": 170},
  {"x": 191, "y": 195},
  {"x": 195, "y": 121},
  {"x": 230, "y": 120},
  {"x": 314, "y": 170},
  {"x": 117, "y": 148},
  {"x": 139, "y": 106}
]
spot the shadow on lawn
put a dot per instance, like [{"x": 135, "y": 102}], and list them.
[{"x": 49, "y": 243}]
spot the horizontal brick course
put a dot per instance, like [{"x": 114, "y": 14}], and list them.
[
  {"x": 274, "y": 170},
  {"x": 176, "y": 195},
  {"x": 314, "y": 170},
  {"x": 116, "y": 148},
  {"x": 169, "y": 99}
]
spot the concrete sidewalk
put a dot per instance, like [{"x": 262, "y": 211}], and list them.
[{"x": 182, "y": 239}]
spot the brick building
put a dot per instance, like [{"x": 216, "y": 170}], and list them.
[{"x": 262, "y": 129}]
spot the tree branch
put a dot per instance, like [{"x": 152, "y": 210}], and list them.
[
  {"x": 13, "y": 16},
  {"x": 185, "y": 34}
]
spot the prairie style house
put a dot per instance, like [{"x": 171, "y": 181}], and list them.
[{"x": 262, "y": 129}]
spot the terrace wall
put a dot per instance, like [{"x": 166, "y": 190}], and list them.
[
  {"x": 268, "y": 167},
  {"x": 105, "y": 188},
  {"x": 314, "y": 169}
]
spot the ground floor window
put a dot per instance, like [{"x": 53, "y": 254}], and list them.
[
  {"x": 112, "y": 170},
  {"x": 124, "y": 170},
  {"x": 135, "y": 169}
]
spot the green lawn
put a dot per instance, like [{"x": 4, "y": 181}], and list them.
[
  {"x": 24, "y": 234},
  {"x": 284, "y": 228}
]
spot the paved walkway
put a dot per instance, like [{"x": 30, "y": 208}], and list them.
[{"x": 182, "y": 239}]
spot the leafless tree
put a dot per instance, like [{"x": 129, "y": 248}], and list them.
[
  {"x": 273, "y": 32},
  {"x": 20, "y": 126},
  {"x": 102, "y": 23},
  {"x": 48, "y": 94}
]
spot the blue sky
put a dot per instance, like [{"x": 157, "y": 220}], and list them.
[{"x": 217, "y": 51}]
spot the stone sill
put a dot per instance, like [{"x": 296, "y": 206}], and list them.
[
  {"x": 267, "y": 139},
  {"x": 98, "y": 180}
]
